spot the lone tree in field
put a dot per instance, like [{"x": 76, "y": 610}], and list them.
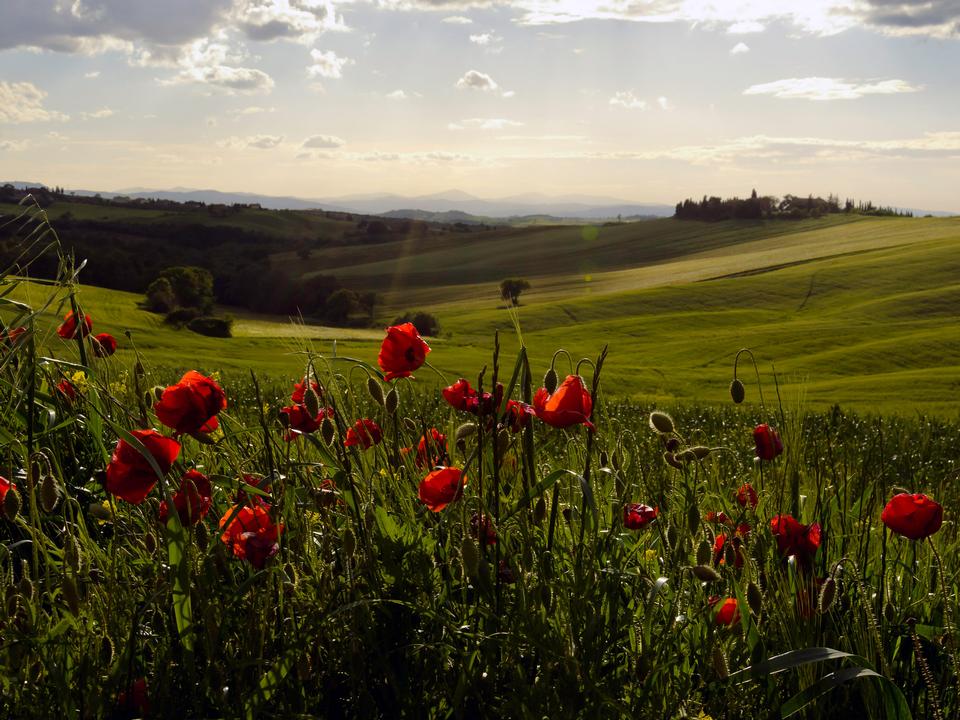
[
  {"x": 181, "y": 287},
  {"x": 511, "y": 288}
]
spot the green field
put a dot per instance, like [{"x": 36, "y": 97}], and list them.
[{"x": 856, "y": 311}]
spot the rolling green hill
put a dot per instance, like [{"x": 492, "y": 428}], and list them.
[{"x": 856, "y": 311}]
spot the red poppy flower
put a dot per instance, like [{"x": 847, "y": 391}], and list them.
[
  {"x": 719, "y": 546},
  {"x": 459, "y": 394},
  {"x": 721, "y": 518},
  {"x": 481, "y": 528},
  {"x": 5, "y": 486},
  {"x": 442, "y": 487},
  {"x": 746, "y": 495},
  {"x": 129, "y": 474},
  {"x": 728, "y": 614},
  {"x": 104, "y": 345},
  {"x": 67, "y": 389},
  {"x": 134, "y": 700},
  {"x": 300, "y": 422},
  {"x": 69, "y": 327},
  {"x": 517, "y": 415},
  {"x": 191, "y": 406},
  {"x": 251, "y": 535},
  {"x": 300, "y": 389},
  {"x": 913, "y": 516},
  {"x": 402, "y": 351},
  {"x": 768, "y": 442},
  {"x": 637, "y": 516},
  {"x": 430, "y": 451},
  {"x": 569, "y": 405},
  {"x": 795, "y": 538},
  {"x": 10, "y": 337},
  {"x": 365, "y": 433},
  {"x": 192, "y": 500}
]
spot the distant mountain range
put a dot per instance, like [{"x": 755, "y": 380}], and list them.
[{"x": 451, "y": 205}]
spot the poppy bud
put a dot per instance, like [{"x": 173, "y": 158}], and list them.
[
  {"x": 540, "y": 510},
  {"x": 11, "y": 504},
  {"x": 391, "y": 401},
  {"x": 106, "y": 651},
  {"x": 150, "y": 543},
  {"x": 349, "y": 542},
  {"x": 827, "y": 593},
  {"x": 546, "y": 565},
  {"x": 730, "y": 555},
  {"x": 25, "y": 587},
  {"x": 49, "y": 493},
  {"x": 466, "y": 430},
  {"x": 693, "y": 519},
  {"x": 12, "y": 601},
  {"x": 890, "y": 613},
  {"x": 203, "y": 536},
  {"x": 672, "y": 461},
  {"x": 566, "y": 514},
  {"x": 71, "y": 554},
  {"x": 604, "y": 459},
  {"x": 705, "y": 573},
  {"x": 158, "y": 392},
  {"x": 720, "y": 663},
  {"x": 704, "y": 553},
  {"x": 311, "y": 401},
  {"x": 71, "y": 594},
  {"x": 148, "y": 398},
  {"x": 470, "y": 555},
  {"x": 375, "y": 390},
  {"x": 661, "y": 422},
  {"x": 550, "y": 381},
  {"x": 327, "y": 430},
  {"x": 754, "y": 598},
  {"x": 737, "y": 391},
  {"x": 673, "y": 537}
]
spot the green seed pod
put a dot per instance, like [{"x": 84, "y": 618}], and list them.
[
  {"x": 327, "y": 430},
  {"x": 11, "y": 504},
  {"x": 705, "y": 573},
  {"x": 550, "y": 380},
  {"x": 661, "y": 422},
  {"x": 466, "y": 430},
  {"x": 693, "y": 519},
  {"x": 754, "y": 598},
  {"x": 49, "y": 493},
  {"x": 737, "y": 391},
  {"x": 71, "y": 594},
  {"x": 470, "y": 556},
  {"x": 540, "y": 510},
  {"x": 392, "y": 401},
  {"x": 349, "y": 542},
  {"x": 704, "y": 553},
  {"x": 376, "y": 390},
  {"x": 720, "y": 666},
  {"x": 311, "y": 401},
  {"x": 827, "y": 593}
]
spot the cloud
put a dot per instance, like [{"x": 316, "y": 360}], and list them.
[
  {"x": 937, "y": 18},
  {"x": 746, "y": 27},
  {"x": 327, "y": 64},
  {"x": 256, "y": 110},
  {"x": 457, "y": 20},
  {"x": 14, "y": 145},
  {"x": 397, "y": 95},
  {"x": 23, "y": 103},
  {"x": 627, "y": 99},
  {"x": 97, "y": 114},
  {"x": 92, "y": 75},
  {"x": 205, "y": 62},
  {"x": 664, "y": 103},
  {"x": 476, "y": 80},
  {"x": 740, "y": 49},
  {"x": 484, "y": 124},
  {"x": 323, "y": 142},
  {"x": 818, "y": 88},
  {"x": 300, "y": 20},
  {"x": 484, "y": 38},
  {"x": 258, "y": 142}
]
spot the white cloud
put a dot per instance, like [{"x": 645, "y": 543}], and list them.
[
  {"x": 739, "y": 49},
  {"x": 508, "y": 94},
  {"x": 258, "y": 142},
  {"x": 92, "y": 75},
  {"x": 397, "y": 95},
  {"x": 483, "y": 38},
  {"x": 205, "y": 62},
  {"x": 476, "y": 80},
  {"x": 484, "y": 124},
  {"x": 300, "y": 20},
  {"x": 627, "y": 99},
  {"x": 256, "y": 110},
  {"x": 323, "y": 142},
  {"x": 14, "y": 145},
  {"x": 664, "y": 103},
  {"x": 457, "y": 20},
  {"x": 819, "y": 88},
  {"x": 746, "y": 27},
  {"x": 97, "y": 114},
  {"x": 23, "y": 103},
  {"x": 327, "y": 64}
]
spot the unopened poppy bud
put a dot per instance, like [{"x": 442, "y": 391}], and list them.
[
  {"x": 730, "y": 554},
  {"x": 25, "y": 587},
  {"x": 550, "y": 381},
  {"x": 11, "y": 504},
  {"x": 71, "y": 594},
  {"x": 704, "y": 553},
  {"x": 673, "y": 536},
  {"x": 470, "y": 555},
  {"x": 150, "y": 543},
  {"x": 327, "y": 430},
  {"x": 540, "y": 510},
  {"x": 672, "y": 461},
  {"x": 376, "y": 390},
  {"x": 720, "y": 663},
  {"x": 311, "y": 401},
  {"x": 890, "y": 613},
  {"x": 672, "y": 444},
  {"x": 12, "y": 601},
  {"x": 754, "y": 598},
  {"x": 546, "y": 565},
  {"x": 827, "y": 593},
  {"x": 49, "y": 493},
  {"x": 705, "y": 573},
  {"x": 700, "y": 451},
  {"x": 737, "y": 391},
  {"x": 148, "y": 399},
  {"x": 392, "y": 401},
  {"x": 158, "y": 392},
  {"x": 604, "y": 459},
  {"x": 349, "y": 542},
  {"x": 661, "y": 422},
  {"x": 466, "y": 430},
  {"x": 687, "y": 456},
  {"x": 566, "y": 514},
  {"x": 71, "y": 554},
  {"x": 106, "y": 651},
  {"x": 693, "y": 519},
  {"x": 203, "y": 536}
]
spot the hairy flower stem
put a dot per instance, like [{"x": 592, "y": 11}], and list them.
[{"x": 948, "y": 619}]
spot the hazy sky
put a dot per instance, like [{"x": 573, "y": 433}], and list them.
[{"x": 646, "y": 100}]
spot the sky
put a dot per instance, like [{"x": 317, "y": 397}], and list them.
[{"x": 640, "y": 100}]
